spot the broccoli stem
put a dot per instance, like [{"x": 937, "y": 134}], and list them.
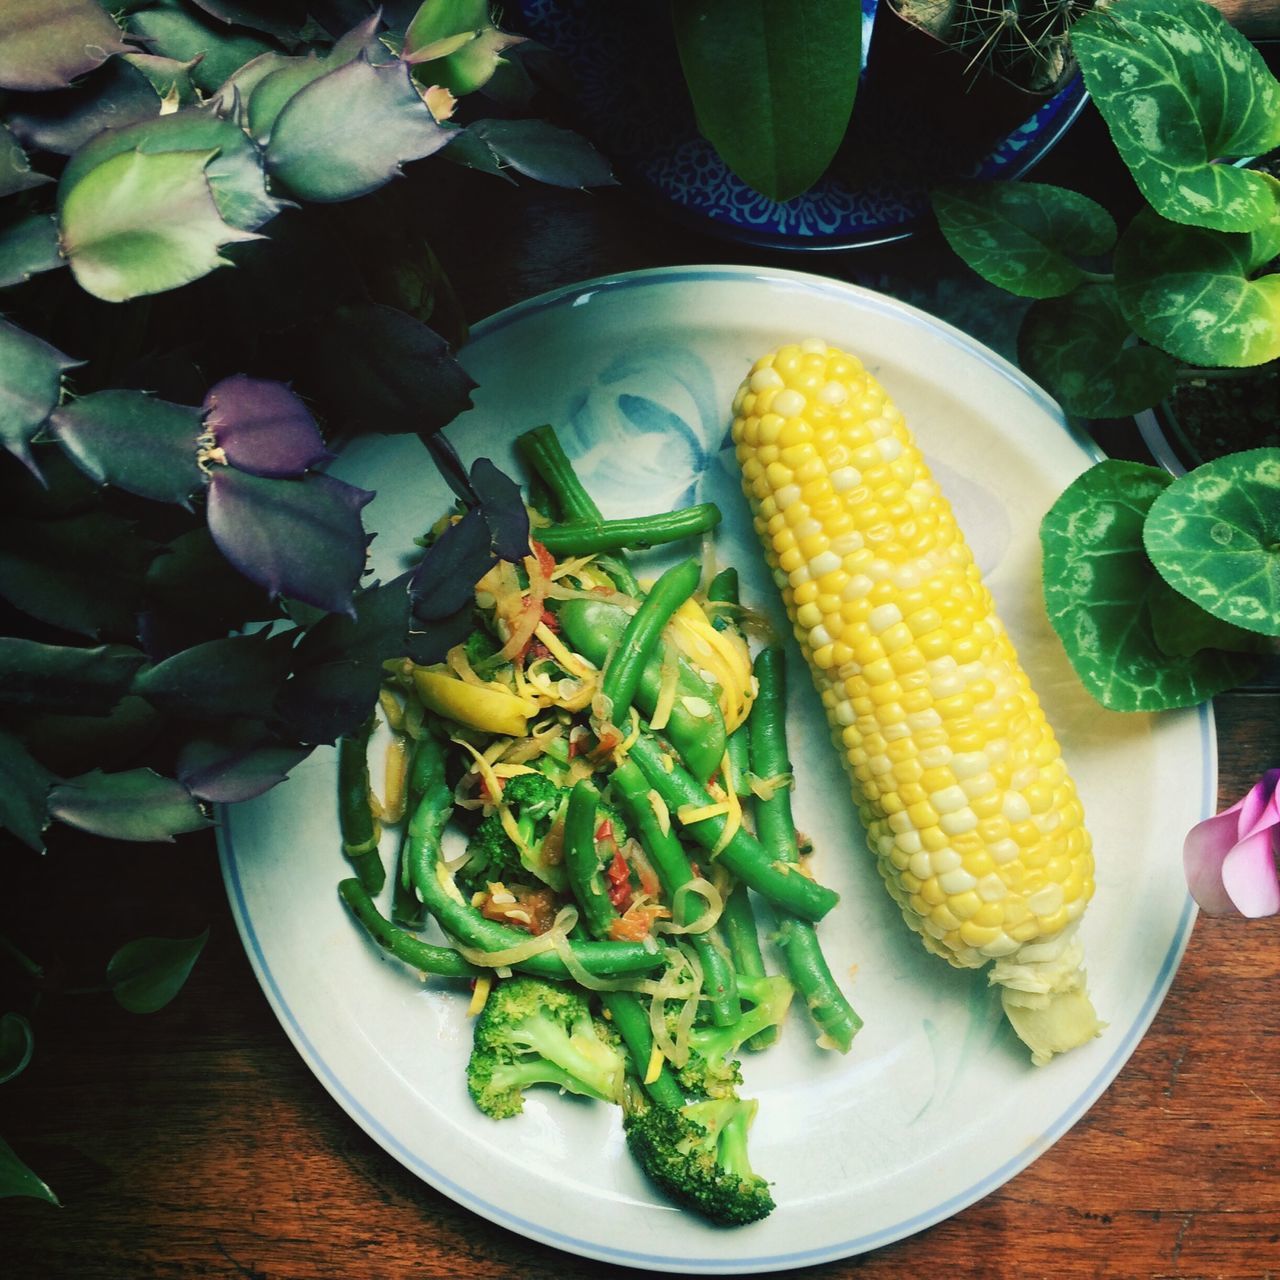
[
  {"x": 775, "y": 827},
  {"x": 589, "y": 537}
]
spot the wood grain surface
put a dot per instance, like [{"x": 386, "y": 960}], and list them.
[{"x": 196, "y": 1143}]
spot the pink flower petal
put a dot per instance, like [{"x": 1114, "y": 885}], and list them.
[
  {"x": 1203, "y": 852},
  {"x": 1261, "y": 807},
  {"x": 1249, "y": 875}
]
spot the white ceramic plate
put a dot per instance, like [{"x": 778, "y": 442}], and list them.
[{"x": 937, "y": 1104}]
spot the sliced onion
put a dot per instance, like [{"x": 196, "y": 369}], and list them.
[{"x": 707, "y": 920}]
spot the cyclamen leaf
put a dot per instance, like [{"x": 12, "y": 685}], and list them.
[
  {"x": 350, "y": 131},
  {"x": 140, "y": 224},
  {"x": 135, "y": 442},
  {"x": 17, "y": 1180},
  {"x": 144, "y": 975},
  {"x": 29, "y": 247},
  {"x": 16, "y": 1044},
  {"x": 30, "y": 386},
  {"x": 1214, "y": 535},
  {"x": 237, "y": 763},
  {"x": 16, "y": 173},
  {"x": 138, "y": 804},
  {"x": 1183, "y": 627},
  {"x": 24, "y": 796},
  {"x": 1078, "y": 348},
  {"x": 263, "y": 427},
  {"x": 297, "y": 538},
  {"x": 54, "y": 677},
  {"x": 773, "y": 92},
  {"x": 1179, "y": 88},
  {"x": 544, "y": 152},
  {"x": 234, "y": 174},
  {"x": 47, "y": 45},
  {"x": 1097, "y": 586},
  {"x": 1195, "y": 292},
  {"x": 373, "y": 368},
  {"x": 1022, "y": 236},
  {"x": 220, "y": 679}
]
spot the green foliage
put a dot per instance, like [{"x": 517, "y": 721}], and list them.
[
  {"x": 50, "y": 44},
  {"x": 16, "y": 1042},
  {"x": 773, "y": 92},
  {"x": 146, "y": 974},
  {"x": 137, "y": 804},
  {"x": 30, "y": 387},
  {"x": 1181, "y": 91},
  {"x": 17, "y": 1180}
]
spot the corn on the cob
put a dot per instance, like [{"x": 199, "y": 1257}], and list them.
[{"x": 971, "y": 814}]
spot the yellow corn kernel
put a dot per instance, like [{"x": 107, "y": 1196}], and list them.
[{"x": 974, "y": 821}]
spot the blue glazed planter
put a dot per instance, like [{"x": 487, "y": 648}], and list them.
[{"x": 919, "y": 120}]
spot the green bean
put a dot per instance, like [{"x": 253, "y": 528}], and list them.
[
  {"x": 418, "y": 954},
  {"x": 642, "y": 634},
  {"x": 775, "y": 827},
  {"x": 629, "y": 1015},
  {"x": 741, "y": 932},
  {"x": 672, "y": 865},
  {"x": 775, "y": 880},
  {"x": 589, "y": 537},
  {"x": 594, "y": 628},
  {"x": 582, "y": 861},
  {"x": 426, "y": 772},
  {"x": 546, "y": 458},
  {"x": 462, "y": 921},
  {"x": 356, "y": 822},
  {"x": 723, "y": 590}
]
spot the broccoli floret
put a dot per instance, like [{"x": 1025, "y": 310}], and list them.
[
  {"x": 712, "y": 1067},
  {"x": 697, "y": 1154},
  {"x": 534, "y": 1032},
  {"x": 537, "y": 804}
]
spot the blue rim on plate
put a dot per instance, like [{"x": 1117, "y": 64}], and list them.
[
  {"x": 373, "y": 1063},
  {"x": 633, "y": 102}
]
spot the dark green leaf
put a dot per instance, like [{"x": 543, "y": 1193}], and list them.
[
  {"x": 1023, "y": 236},
  {"x": 175, "y": 34},
  {"x": 350, "y": 131},
  {"x": 16, "y": 173},
  {"x": 1080, "y": 348},
  {"x": 219, "y": 679},
  {"x": 30, "y": 386},
  {"x": 135, "y": 805},
  {"x": 773, "y": 88},
  {"x": 279, "y": 18},
  {"x": 71, "y": 744},
  {"x": 24, "y": 796},
  {"x": 237, "y": 762},
  {"x": 139, "y": 224},
  {"x": 55, "y": 677},
  {"x": 1182, "y": 627},
  {"x": 82, "y": 573},
  {"x": 144, "y": 975},
  {"x": 372, "y": 368},
  {"x": 28, "y": 247},
  {"x": 234, "y": 174},
  {"x": 16, "y": 1045},
  {"x": 453, "y": 43},
  {"x": 1179, "y": 88},
  {"x": 1214, "y": 535},
  {"x": 17, "y": 1180},
  {"x": 300, "y": 538},
  {"x": 1194, "y": 291},
  {"x": 48, "y": 44},
  {"x": 135, "y": 442},
  {"x": 1097, "y": 586},
  {"x": 170, "y": 78},
  {"x": 544, "y": 152}
]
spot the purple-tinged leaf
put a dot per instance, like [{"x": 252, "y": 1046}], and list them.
[
  {"x": 30, "y": 386},
  {"x": 371, "y": 368},
  {"x": 241, "y": 761},
  {"x": 116, "y": 95},
  {"x": 82, "y": 573},
  {"x": 446, "y": 576},
  {"x": 17, "y": 1180},
  {"x": 135, "y": 442},
  {"x": 504, "y": 511},
  {"x": 451, "y": 468},
  {"x": 24, "y": 796},
  {"x": 300, "y": 538},
  {"x": 545, "y": 152},
  {"x": 263, "y": 427},
  {"x": 27, "y": 248},
  {"x": 47, "y": 45},
  {"x": 137, "y": 804},
  {"x": 338, "y": 664},
  {"x": 56, "y": 677},
  {"x": 144, "y": 975},
  {"x": 220, "y": 679},
  {"x": 16, "y": 173},
  {"x": 140, "y": 223},
  {"x": 350, "y": 131}
]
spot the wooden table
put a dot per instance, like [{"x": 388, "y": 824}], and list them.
[{"x": 195, "y": 1142}]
